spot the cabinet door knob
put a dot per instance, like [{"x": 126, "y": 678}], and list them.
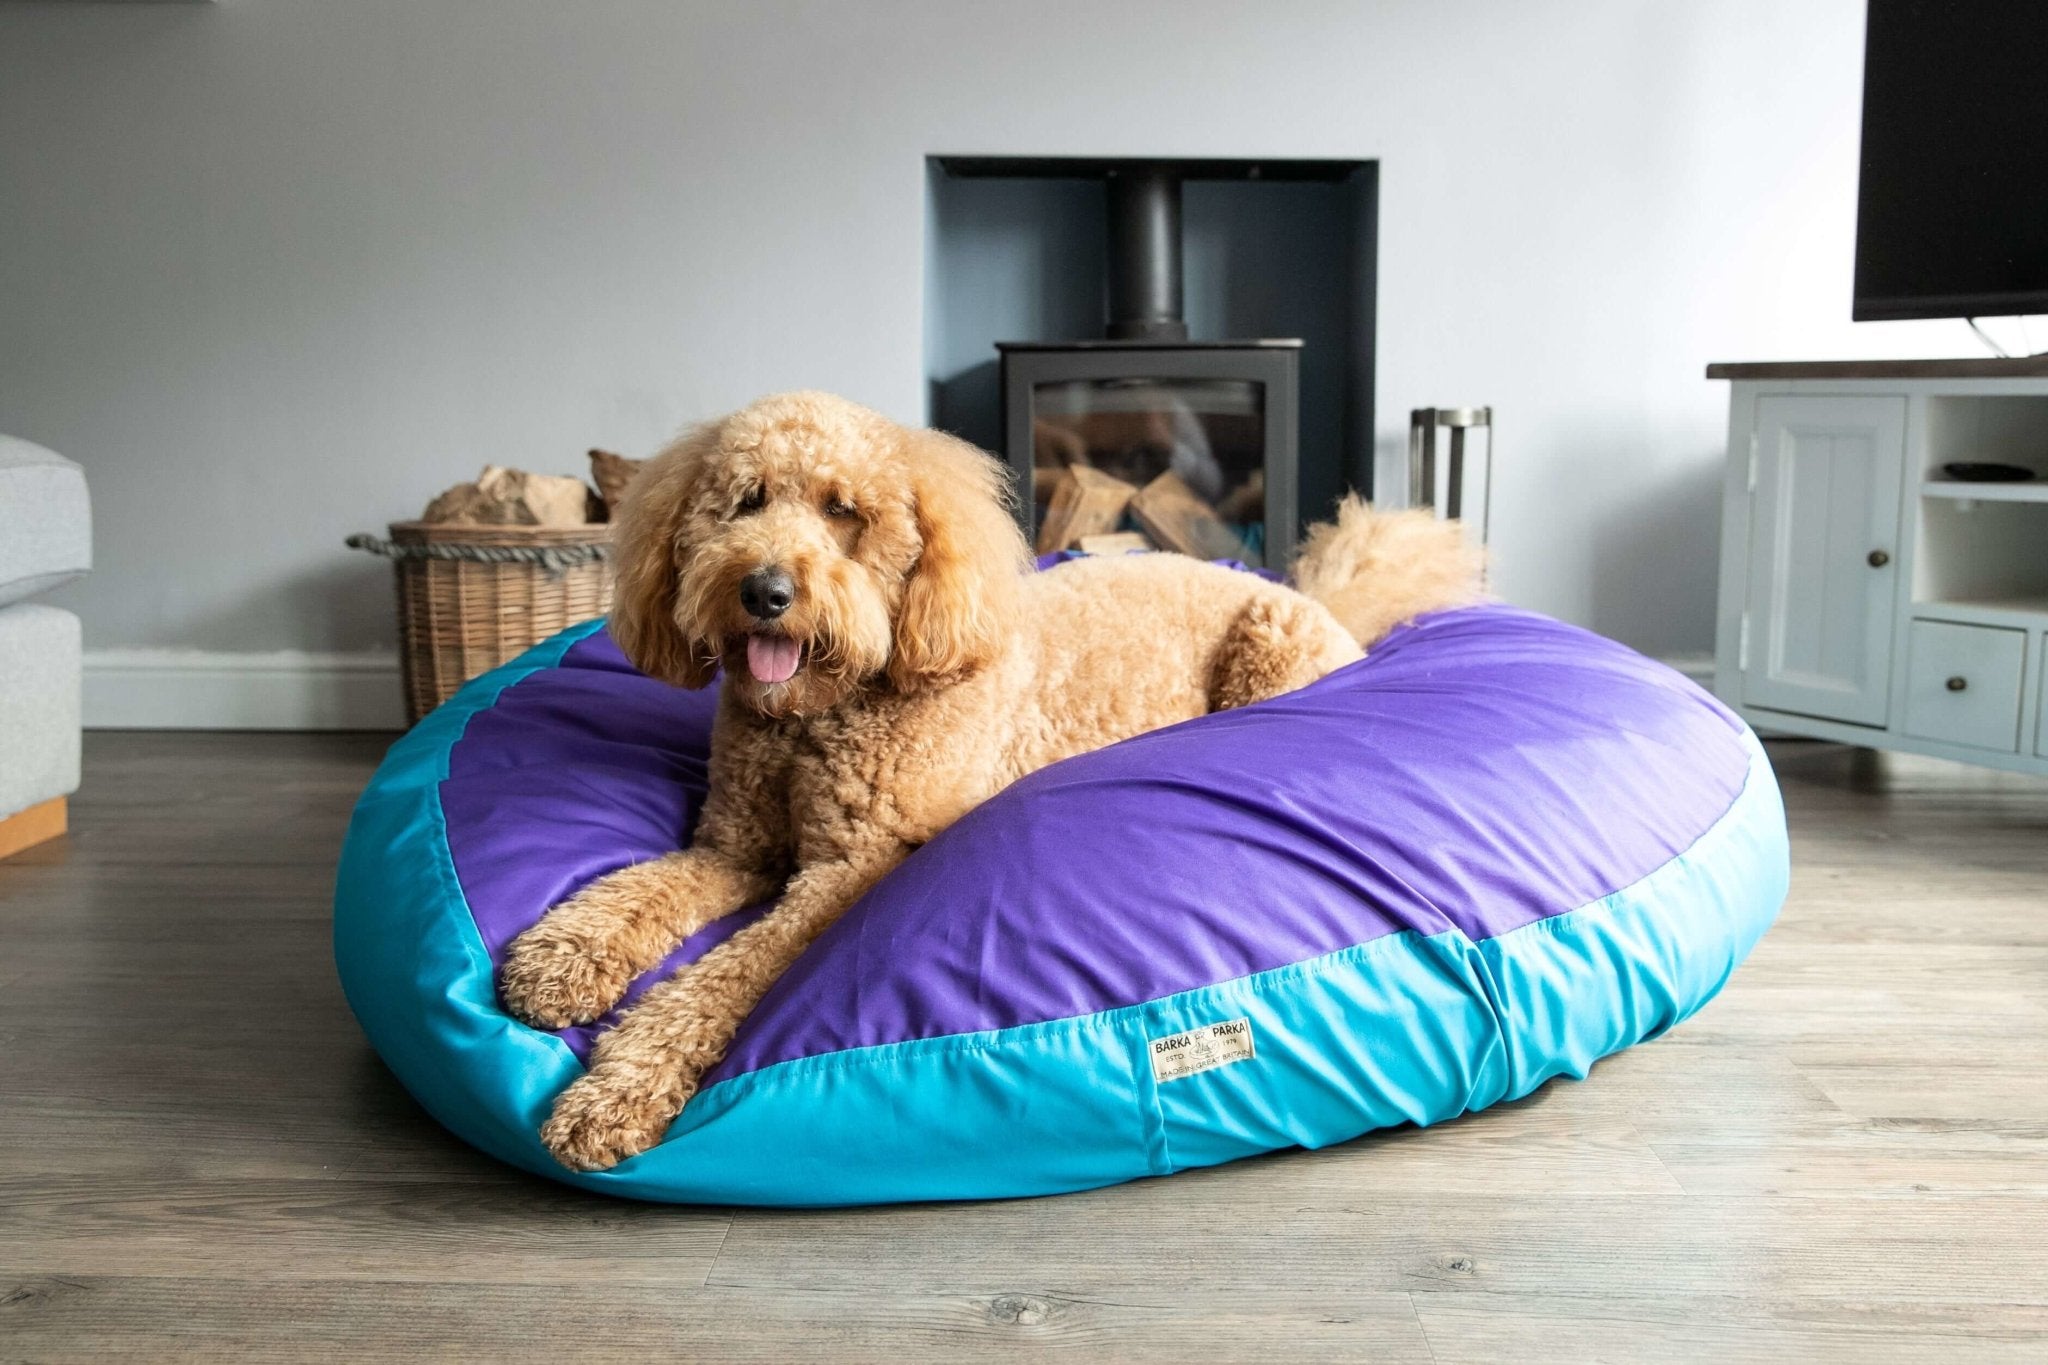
[
  {"x": 1879, "y": 558},
  {"x": 1958, "y": 683}
]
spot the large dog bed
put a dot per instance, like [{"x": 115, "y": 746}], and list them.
[{"x": 1495, "y": 851}]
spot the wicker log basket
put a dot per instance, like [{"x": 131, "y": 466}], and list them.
[{"x": 473, "y": 597}]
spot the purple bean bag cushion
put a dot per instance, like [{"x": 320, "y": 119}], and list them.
[{"x": 1494, "y": 851}]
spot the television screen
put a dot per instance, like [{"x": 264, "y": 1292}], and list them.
[{"x": 1952, "y": 210}]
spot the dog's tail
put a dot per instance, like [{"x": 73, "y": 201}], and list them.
[{"x": 1374, "y": 570}]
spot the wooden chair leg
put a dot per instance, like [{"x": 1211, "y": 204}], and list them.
[{"x": 27, "y": 828}]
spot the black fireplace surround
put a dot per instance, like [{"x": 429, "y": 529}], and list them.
[{"x": 1209, "y": 430}]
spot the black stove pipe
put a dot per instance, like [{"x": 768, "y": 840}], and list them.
[{"x": 1144, "y": 255}]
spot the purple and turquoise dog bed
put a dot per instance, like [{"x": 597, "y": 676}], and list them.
[{"x": 1493, "y": 852}]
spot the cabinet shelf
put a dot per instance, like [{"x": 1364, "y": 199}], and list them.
[
  {"x": 2035, "y": 491},
  {"x": 1997, "y": 611},
  {"x": 1986, "y": 551}
]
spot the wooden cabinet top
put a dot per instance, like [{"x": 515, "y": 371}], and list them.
[{"x": 1989, "y": 367}]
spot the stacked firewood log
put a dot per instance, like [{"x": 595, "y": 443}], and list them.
[
  {"x": 514, "y": 497},
  {"x": 1088, "y": 510}
]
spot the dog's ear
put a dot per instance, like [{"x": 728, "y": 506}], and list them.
[
  {"x": 962, "y": 594},
  {"x": 646, "y": 542}
]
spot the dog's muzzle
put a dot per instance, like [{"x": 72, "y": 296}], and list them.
[{"x": 767, "y": 593}]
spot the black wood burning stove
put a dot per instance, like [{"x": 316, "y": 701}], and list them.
[{"x": 1192, "y": 445}]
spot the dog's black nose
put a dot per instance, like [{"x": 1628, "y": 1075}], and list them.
[{"x": 767, "y": 593}]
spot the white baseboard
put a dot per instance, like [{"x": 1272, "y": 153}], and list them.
[{"x": 180, "y": 689}]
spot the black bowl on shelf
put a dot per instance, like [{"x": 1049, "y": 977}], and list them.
[{"x": 1986, "y": 471}]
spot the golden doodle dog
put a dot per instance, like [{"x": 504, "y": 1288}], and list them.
[{"x": 890, "y": 662}]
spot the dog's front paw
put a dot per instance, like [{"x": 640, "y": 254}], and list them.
[
  {"x": 560, "y": 972},
  {"x": 611, "y": 1113}
]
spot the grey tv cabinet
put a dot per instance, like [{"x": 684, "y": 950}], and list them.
[{"x": 1865, "y": 596}]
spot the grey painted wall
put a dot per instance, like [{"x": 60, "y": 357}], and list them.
[{"x": 277, "y": 270}]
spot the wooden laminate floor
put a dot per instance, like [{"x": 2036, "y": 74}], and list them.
[{"x": 1844, "y": 1158}]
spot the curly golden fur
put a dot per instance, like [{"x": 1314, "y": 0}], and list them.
[{"x": 932, "y": 670}]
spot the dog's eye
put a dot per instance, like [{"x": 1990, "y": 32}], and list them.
[
  {"x": 755, "y": 500},
  {"x": 839, "y": 507}
]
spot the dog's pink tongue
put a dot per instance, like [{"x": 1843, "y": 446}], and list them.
[{"x": 772, "y": 658}]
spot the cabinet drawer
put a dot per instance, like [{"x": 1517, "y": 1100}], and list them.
[{"x": 1963, "y": 684}]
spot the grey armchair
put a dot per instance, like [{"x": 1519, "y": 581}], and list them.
[{"x": 45, "y": 540}]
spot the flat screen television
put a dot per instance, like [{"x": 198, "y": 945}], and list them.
[{"x": 1952, "y": 205}]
